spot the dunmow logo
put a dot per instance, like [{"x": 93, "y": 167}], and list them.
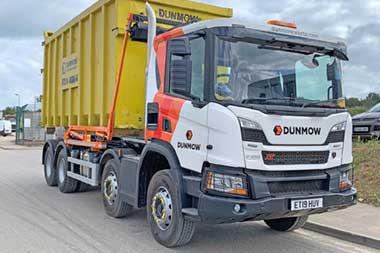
[
  {"x": 289, "y": 130},
  {"x": 187, "y": 145},
  {"x": 177, "y": 16}
]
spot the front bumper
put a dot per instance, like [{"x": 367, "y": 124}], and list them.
[
  {"x": 270, "y": 195},
  {"x": 213, "y": 209}
]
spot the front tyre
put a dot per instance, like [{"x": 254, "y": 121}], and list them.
[
  {"x": 164, "y": 213},
  {"x": 287, "y": 224},
  {"x": 50, "y": 171},
  {"x": 65, "y": 184},
  {"x": 114, "y": 205}
]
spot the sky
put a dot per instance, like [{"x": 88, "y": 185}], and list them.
[{"x": 22, "y": 23}]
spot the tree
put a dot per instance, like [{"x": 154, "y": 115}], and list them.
[
  {"x": 39, "y": 99},
  {"x": 366, "y": 103},
  {"x": 9, "y": 110},
  {"x": 353, "y": 102},
  {"x": 371, "y": 100}
]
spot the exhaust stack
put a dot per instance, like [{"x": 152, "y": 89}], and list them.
[
  {"x": 152, "y": 27},
  {"x": 150, "y": 71}
]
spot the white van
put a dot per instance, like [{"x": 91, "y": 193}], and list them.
[{"x": 5, "y": 127}]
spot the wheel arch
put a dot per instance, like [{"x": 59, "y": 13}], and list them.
[
  {"x": 156, "y": 156},
  {"x": 49, "y": 144},
  {"x": 106, "y": 156},
  {"x": 60, "y": 146}
]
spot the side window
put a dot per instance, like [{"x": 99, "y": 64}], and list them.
[
  {"x": 186, "y": 67},
  {"x": 198, "y": 67}
]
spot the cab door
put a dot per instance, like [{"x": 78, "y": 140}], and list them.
[{"x": 182, "y": 117}]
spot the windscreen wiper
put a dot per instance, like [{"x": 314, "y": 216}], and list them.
[
  {"x": 258, "y": 99},
  {"x": 321, "y": 103}
]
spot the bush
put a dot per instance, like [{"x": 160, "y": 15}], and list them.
[{"x": 356, "y": 110}]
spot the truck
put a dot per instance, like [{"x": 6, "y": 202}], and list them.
[
  {"x": 12, "y": 119},
  {"x": 5, "y": 127},
  {"x": 204, "y": 119}
]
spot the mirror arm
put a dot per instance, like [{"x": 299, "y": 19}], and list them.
[{"x": 328, "y": 92}]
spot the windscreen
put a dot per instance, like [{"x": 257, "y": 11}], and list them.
[
  {"x": 376, "y": 108},
  {"x": 247, "y": 72}
]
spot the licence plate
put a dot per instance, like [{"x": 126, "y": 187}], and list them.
[
  {"x": 302, "y": 204},
  {"x": 360, "y": 129}
]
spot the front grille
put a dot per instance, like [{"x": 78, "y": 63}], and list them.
[
  {"x": 333, "y": 137},
  {"x": 376, "y": 128},
  {"x": 254, "y": 135},
  {"x": 288, "y": 173},
  {"x": 295, "y": 157},
  {"x": 298, "y": 186}
]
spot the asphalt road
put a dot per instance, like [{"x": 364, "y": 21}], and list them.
[{"x": 38, "y": 218}]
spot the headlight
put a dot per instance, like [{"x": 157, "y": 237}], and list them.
[
  {"x": 345, "y": 180},
  {"x": 339, "y": 127},
  {"x": 246, "y": 123},
  {"x": 225, "y": 183}
]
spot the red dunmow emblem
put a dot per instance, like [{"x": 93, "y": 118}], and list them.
[
  {"x": 189, "y": 135},
  {"x": 277, "y": 130},
  {"x": 270, "y": 157}
]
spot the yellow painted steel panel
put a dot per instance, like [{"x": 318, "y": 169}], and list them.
[{"x": 82, "y": 57}]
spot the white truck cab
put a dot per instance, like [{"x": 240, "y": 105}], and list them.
[
  {"x": 261, "y": 131},
  {"x": 5, "y": 127}
]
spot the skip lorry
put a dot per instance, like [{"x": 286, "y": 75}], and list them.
[{"x": 176, "y": 107}]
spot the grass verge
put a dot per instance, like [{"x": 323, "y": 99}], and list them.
[{"x": 367, "y": 171}]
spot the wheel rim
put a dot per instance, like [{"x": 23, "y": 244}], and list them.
[
  {"x": 48, "y": 164},
  {"x": 110, "y": 188},
  {"x": 162, "y": 208},
  {"x": 61, "y": 170}
]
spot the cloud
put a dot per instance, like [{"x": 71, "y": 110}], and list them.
[
  {"x": 22, "y": 23},
  {"x": 29, "y": 18},
  {"x": 20, "y": 64}
]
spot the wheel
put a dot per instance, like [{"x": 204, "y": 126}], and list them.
[
  {"x": 82, "y": 187},
  {"x": 287, "y": 224},
  {"x": 65, "y": 184},
  {"x": 114, "y": 205},
  {"x": 164, "y": 213},
  {"x": 50, "y": 171}
]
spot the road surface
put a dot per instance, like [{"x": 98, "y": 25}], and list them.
[{"x": 38, "y": 218}]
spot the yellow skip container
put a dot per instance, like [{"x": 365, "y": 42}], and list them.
[{"x": 81, "y": 60}]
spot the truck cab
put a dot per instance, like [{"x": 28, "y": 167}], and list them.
[{"x": 255, "y": 115}]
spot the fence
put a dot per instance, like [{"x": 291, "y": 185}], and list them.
[
  {"x": 28, "y": 124},
  {"x": 32, "y": 127}
]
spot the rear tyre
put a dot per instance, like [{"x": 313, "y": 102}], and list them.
[
  {"x": 50, "y": 170},
  {"x": 65, "y": 184},
  {"x": 168, "y": 225},
  {"x": 82, "y": 187},
  {"x": 287, "y": 224},
  {"x": 113, "y": 202}
]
